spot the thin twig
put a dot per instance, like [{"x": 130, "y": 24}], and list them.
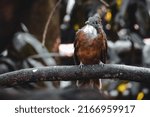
[
  {"x": 48, "y": 22},
  {"x": 105, "y": 3}
]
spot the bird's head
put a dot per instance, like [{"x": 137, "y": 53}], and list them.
[{"x": 94, "y": 21}]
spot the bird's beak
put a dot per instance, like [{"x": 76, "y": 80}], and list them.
[{"x": 87, "y": 22}]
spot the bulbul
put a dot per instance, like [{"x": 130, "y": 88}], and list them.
[{"x": 90, "y": 48}]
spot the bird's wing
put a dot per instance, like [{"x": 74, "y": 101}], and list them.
[
  {"x": 103, "y": 52},
  {"x": 76, "y": 47}
]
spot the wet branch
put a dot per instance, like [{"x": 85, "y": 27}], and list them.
[{"x": 69, "y": 73}]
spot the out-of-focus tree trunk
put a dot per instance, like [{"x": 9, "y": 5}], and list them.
[
  {"x": 8, "y": 22},
  {"x": 34, "y": 13},
  {"x": 36, "y": 18}
]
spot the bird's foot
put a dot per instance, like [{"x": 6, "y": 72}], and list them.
[
  {"x": 101, "y": 63},
  {"x": 81, "y": 65},
  {"x": 100, "y": 82}
]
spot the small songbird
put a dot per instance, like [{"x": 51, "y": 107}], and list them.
[{"x": 90, "y": 48}]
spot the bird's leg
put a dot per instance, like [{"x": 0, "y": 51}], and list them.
[
  {"x": 78, "y": 82},
  {"x": 81, "y": 65},
  {"x": 100, "y": 80},
  {"x": 101, "y": 63},
  {"x": 100, "y": 83}
]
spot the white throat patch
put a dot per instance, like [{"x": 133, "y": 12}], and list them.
[{"x": 90, "y": 30}]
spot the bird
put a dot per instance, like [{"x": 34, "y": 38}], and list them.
[{"x": 90, "y": 48}]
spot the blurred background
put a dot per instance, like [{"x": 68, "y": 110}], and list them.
[{"x": 22, "y": 23}]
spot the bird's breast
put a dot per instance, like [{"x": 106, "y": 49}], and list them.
[
  {"x": 90, "y": 31},
  {"x": 89, "y": 52}
]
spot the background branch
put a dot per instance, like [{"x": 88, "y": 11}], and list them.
[
  {"x": 69, "y": 73},
  {"x": 48, "y": 22}
]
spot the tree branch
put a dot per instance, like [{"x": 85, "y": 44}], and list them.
[{"x": 69, "y": 73}]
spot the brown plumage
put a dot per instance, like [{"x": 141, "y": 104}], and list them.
[{"x": 90, "y": 48}]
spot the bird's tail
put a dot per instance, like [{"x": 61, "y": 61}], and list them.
[{"x": 96, "y": 83}]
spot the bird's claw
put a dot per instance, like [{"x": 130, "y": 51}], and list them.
[
  {"x": 81, "y": 65},
  {"x": 101, "y": 63}
]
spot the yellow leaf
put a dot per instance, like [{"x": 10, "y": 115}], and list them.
[
  {"x": 140, "y": 96},
  {"x": 122, "y": 87},
  {"x": 76, "y": 27},
  {"x": 108, "y": 16}
]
